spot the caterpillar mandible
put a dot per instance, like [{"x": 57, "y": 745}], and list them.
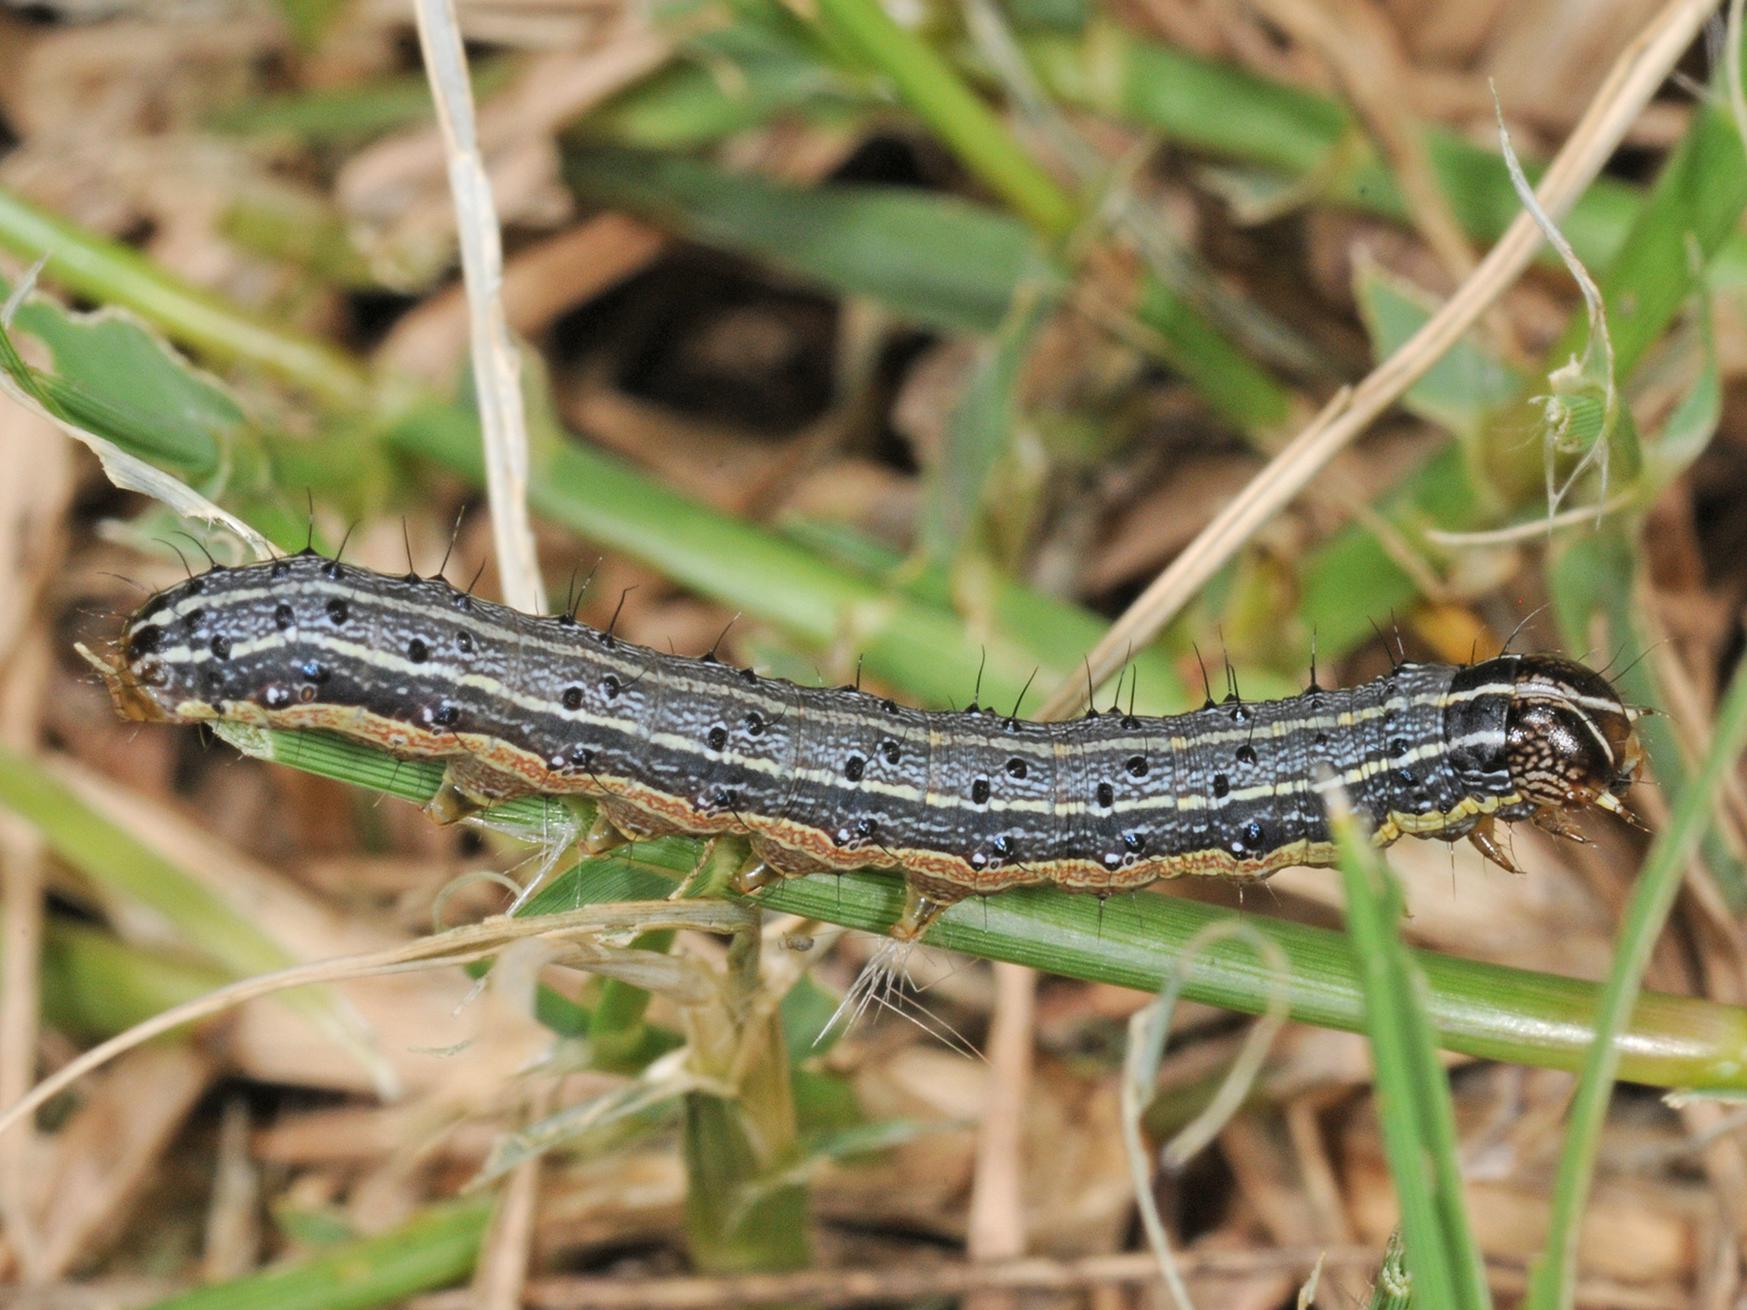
[{"x": 963, "y": 803}]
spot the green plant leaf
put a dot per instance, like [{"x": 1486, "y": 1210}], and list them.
[
  {"x": 1466, "y": 388},
  {"x": 932, "y": 259}
]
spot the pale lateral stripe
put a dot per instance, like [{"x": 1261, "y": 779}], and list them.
[
  {"x": 635, "y": 729},
  {"x": 1600, "y": 740},
  {"x": 482, "y": 624},
  {"x": 479, "y": 620}
]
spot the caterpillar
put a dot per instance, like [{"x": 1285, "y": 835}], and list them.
[{"x": 963, "y": 803}]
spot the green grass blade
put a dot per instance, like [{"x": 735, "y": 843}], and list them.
[
  {"x": 1484, "y": 1010},
  {"x": 123, "y": 867},
  {"x": 119, "y": 864},
  {"x": 96, "y": 986},
  {"x": 934, "y": 259},
  {"x": 1208, "y": 106},
  {"x": 434, "y": 1249},
  {"x": 1236, "y": 387},
  {"x": 979, "y": 434},
  {"x": 1412, "y": 1091},
  {"x": 1239, "y": 391},
  {"x": 933, "y": 88},
  {"x": 1594, "y": 576},
  {"x": 1553, "y": 1282},
  {"x": 687, "y": 106},
  {"x": 921, "y": 647},
  {"x": 348, "y": 116},
  {"x": 1694, "y": 210},
  {"x": 724, "y": 1234},
  {"x": 113, "y": 274},
  {"x": 1695, "y": 205}
]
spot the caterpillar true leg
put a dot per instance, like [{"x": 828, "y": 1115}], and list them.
[
  {"x": 1485, "y": 840},
  {"x": 1558, "y": 824}
]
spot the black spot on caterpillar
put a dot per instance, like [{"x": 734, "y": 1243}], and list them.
[{"x": 819, "y": 779}]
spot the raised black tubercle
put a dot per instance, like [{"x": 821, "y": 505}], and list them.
[{"x": 709, "y": 656}]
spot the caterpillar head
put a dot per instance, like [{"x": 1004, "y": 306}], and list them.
[{"x": 1569, "y": 741}]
